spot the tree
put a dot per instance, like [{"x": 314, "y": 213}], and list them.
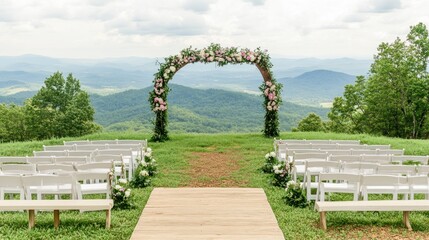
[
  {"x": 347, "y": 113},
  {"x": 397, "y": 95},
  {"x": 394, "y": 99},
  {"x": 311, "y": 123},
  {"x": 60, "y": 109}
]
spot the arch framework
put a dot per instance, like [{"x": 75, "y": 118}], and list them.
[{"x": 222, "y": 56}]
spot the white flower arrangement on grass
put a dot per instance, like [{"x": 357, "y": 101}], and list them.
[{"x": 121, "y": 195}]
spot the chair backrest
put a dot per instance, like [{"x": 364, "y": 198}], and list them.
[
  {"x": 344, "y": 158},
  {"x": 391, "y": 151},
  {"x": 134, "y": 147},
  {"x": 348, "y": 177},
  {"x": 338, "y": 152},
  {"x": 81, "y": 153},
  {"x": 400, "y": 159},
  {"x": 360, "y": 168},
  {"x": 418, "y": 180},
  {"x": 107, "y": 157},
  {"x": 364, "y": 151},
  {"x": 97, "y": 166},
  {"x": 382, "y": 159},
  {"x": 324, "y": 146},
  {"x": 13, "y": 160},
  {"x": 123, "y": 152},
  {"x": 37, "y": 160},
  {"x": 50, "y": 153},
  {"x": 383, "y": 180},
  {"x": 55, "y": 168},
  {"x": 348, "y": 146},
  {"x": 380, "y": 147},
  {"x": 104, "y": 142},
  {"x": 354, "y": 142},
  {"x": 295, "y": 146},
  {"x": 142, "y": 142},
  {"x": 18, "y": 169},
  {"x": 407, "y": 170},
  {"x": 58, "y": 147},
  {"x": 70, "y": 160},
  {"x": 92, "y": 147},
  {"x": 325, "y": 166},
  {"x": 289, "y": 141},
  {"x": 422, "y": 169},
  {"x": 10, "y": 181},
  {"x": 319, "y": 141},
  {"x": 47, "y": 180},
  {"x": 305, "y": 156},
  {"x": 83, "y": 176},
  {"x": 84, "y": 142}
]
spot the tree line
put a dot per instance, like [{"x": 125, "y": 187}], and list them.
[
  {"x": 393, "y": 100},
  {"x": 59, "y": 109}
]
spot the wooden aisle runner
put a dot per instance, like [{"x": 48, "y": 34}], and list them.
[{"x": 207, "y": 213}]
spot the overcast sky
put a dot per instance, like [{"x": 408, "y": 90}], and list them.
[{"x": 157, "y": 28}]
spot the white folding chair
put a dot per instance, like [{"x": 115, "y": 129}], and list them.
[
  {"x": 418, "y": 184},
  {"x": 338, "y": 183},
  {"x": 49, "y": 185},
  {"x": 117, "y": 160},
  {"x": 391, "y": 151},
  {"x": 299, "y": 160},
  {"x": 127, "y": 156},
  {"x": 92, "y": 183},
  {"x": 384, "y": 184},
  {"x": 314, "y": 168},
  {"x": 422, "y": 170},
  {"x": 11, "y": 184}
]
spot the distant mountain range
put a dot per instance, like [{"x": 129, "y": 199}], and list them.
[
  {"x": 190, "y": 110},
  {"x": 302, "y": 77}
]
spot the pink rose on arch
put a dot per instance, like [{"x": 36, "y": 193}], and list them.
[
  {"x": 268, "y": 83},
  {"x": 162, "y": 108},
  {"x": 155, "y": 100},
  {"x": 271, "y": 96}
]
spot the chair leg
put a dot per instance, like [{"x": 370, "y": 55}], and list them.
[
  {"x": 56, "y": 219},
  {"x": 323, "y": 220},
  {"x": 407, "y": 220},
  {"x": 31, "y": 218}
]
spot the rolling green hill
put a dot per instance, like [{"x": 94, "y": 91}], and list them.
[
  {"x": 194, "y": 110},
  {"x": 315, "y": 87}
]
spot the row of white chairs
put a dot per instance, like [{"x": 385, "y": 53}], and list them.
[
  {"x": 332, "y": 146},
  {"x": 76, "y": 185},
  {"x": 314, "y": 168},
  {"x": 118, "y": 161},
  {"x": 299, "y": 160},
  {"x": 116, "y": 141},
  {"x": 129, "y": 157},
  {"x": 308, "y": 141},
  {"x": 75, "y": 147},
  {"x": 363, "y": 185},
  {"x": 55, "y": 168},
  {"x": 288, "y": 153}
]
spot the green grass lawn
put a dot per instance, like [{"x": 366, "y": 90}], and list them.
[{"x": 173, "y": 159}]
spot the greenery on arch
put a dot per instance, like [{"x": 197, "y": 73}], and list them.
[{"x": 270, "y": 88}]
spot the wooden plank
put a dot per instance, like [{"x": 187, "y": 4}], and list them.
[{"x": 207, "y": 213}]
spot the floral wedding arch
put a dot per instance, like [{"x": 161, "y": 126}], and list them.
[{"x": 222, "y": 56}]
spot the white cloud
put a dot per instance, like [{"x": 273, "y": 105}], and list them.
[{"x": 294, "y": 28}]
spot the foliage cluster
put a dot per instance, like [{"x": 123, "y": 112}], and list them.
[
  {"x": 394, "y": 99},
  {"x": 59, "y": 109}
]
